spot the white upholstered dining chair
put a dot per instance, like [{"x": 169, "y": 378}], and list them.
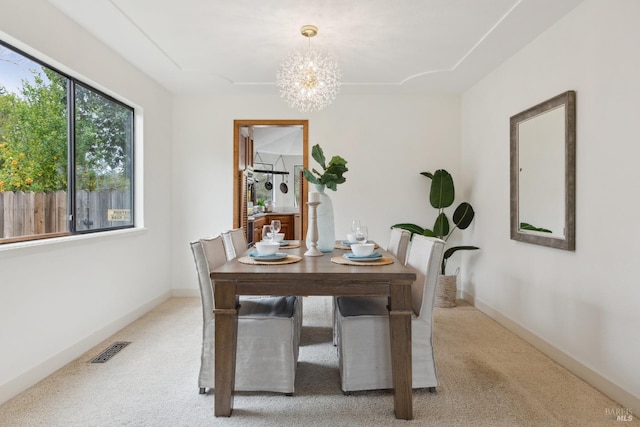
[
  {"x": 235, "y": 242},
  {"x": 364, "y": 348},
  {"x": 268, "y": 331},
  {"x": 398, "y": 247}
]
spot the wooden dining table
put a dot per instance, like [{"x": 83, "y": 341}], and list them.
[{"x": 313, "y": 275}]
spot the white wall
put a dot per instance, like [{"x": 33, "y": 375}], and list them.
[
  {"x": 583, "y": 303},
  {"x": 60, "y": 298},
  {"x": 386, "y": 140}
]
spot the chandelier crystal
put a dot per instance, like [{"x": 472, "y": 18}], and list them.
[{"x": 309, "y": 80}]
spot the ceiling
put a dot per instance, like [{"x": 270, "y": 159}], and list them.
[{"x": 382, "y": 46}]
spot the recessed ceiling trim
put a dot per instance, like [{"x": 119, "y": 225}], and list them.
[
  {"x": 416, "y": 75},
  {"x": 137, "y": 27},
  {"x": 484, "y": 37},
  {"x": 426, "y": 46}
]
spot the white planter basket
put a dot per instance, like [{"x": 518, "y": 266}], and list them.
[{"x": 446, "y": 291}]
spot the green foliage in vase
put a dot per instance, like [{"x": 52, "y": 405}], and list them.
[
  {"x": 441, "y": 195},
  {"x": 332, "y": 173}
]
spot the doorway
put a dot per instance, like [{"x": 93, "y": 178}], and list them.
[{"x": 246, "y": 152}]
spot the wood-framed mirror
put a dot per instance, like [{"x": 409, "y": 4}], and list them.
[
  {"x": 543, "y": 173},
  {"x": 248, "y": 140}
]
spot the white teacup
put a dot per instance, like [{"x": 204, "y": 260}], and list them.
[
  {"x": 351, "y": 237},
  {"x": 267, "y": 248},
  {"x": 363, "y": 249}
]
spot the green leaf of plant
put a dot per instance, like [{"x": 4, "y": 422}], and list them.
[
  {"x": 318, "y": 155},
  {"x": 442, "y": 191},
  {"x": 332, "y": 185},
  {"x": 412, "y": 228},
  {"x": 463, "y": 215},
  {"x": 337, "y": 161},
  {"x": 427, "y": 174},
  {"x": 441, "y": 226},
  {"x": 451, "y": 251},
  {"x": 529, "y": 227},
  {"x": 428, "y": 233},
  {"x": 455, "y": 249},
  {"x": 310, "y": 177}
]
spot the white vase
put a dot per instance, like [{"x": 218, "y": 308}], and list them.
[{"x": 326, "y": 230}]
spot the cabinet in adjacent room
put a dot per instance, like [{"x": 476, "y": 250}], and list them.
[
  {"x": 287, "y": 225},
  {"x": 257, "y": 228}
]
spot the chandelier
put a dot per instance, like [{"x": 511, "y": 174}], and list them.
[{"x": 309, "y": 80}]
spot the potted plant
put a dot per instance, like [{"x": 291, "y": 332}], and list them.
[
  {"x": 260, "y": 205},
  {"x": 441, "y": 196},
  {"x": 332, "y": 175}
]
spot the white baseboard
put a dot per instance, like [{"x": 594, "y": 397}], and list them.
[
  {"x": 27, "y": 379},
  {"x": 601, "y": 383},
  {"x": 184, "y": 292}
]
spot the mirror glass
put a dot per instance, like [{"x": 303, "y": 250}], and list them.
[{"x": 543, "y": 173}]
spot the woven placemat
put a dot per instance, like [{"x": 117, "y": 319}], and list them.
[
  {"x": 340, "y": 245},
  {"x": 342, "y": 260},
  {"x": 291, "y": 245},
  {"x": 290, "y": 259}
]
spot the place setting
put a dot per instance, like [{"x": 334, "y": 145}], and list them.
[
  {"x": 363, "y": 251},
  {"x": 266, "y": 251},
  {"x": 268, "y": 235},
  {"x": 359, "y": 234}
]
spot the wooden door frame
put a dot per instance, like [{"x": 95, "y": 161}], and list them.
[{"x": 237, "y": 200}]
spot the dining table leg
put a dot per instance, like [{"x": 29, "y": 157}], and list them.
[
  {"x": 400, "y": 331},
  {"x": 226, "y": 318}
]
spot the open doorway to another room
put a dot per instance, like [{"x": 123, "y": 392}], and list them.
[{"x": 268, "y": 159}]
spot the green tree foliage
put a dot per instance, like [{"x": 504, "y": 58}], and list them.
[
  {"x": 102, "y": 142},
  {"x": 34, "y": 140},
  {"x": 33, "y": 135}
]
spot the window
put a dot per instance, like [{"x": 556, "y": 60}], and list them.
[{"x": 66, "y": 153}]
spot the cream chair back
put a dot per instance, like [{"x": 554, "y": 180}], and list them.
[
  {"x": 234, "y": 242},
  {"x": 214, "y": 251},
  {"x": 399, "y": 243},
  {"x": 204, "y": 281},
  {"x": 425, "y": 257},
  {"x": 209, "y": 254}
]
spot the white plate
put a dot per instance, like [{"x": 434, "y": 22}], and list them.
[
  {"x": 353, "y": 257},
  {"x": 274, "y": 257},
  {"x": 284, "y": 242}
]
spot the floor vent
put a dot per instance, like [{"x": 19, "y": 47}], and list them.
[{"x": 111, "y": 351}]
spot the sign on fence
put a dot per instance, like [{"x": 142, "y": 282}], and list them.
[{"x": 119, "y": 215}]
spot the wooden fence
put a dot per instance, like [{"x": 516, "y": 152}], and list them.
[{"x": 26, "y": 214}]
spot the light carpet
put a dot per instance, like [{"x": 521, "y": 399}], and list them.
[{"x": 488, "y": 377}]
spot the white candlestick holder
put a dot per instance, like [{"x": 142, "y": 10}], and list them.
[{"x": 312, "y": 231}]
